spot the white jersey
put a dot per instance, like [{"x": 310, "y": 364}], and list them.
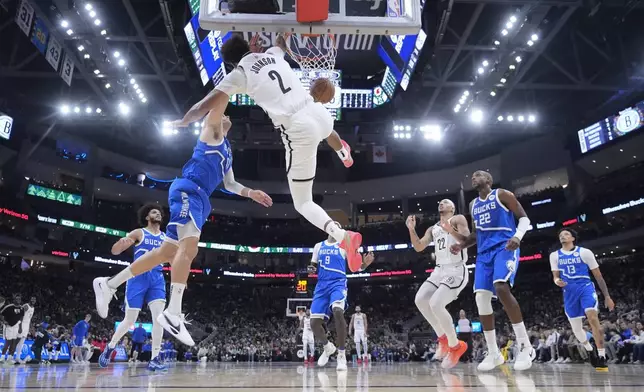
[
  {"x": 358, "y": 322},
  {"x": 26, "y": 319},
  {"x": 270, "y": 81},
  {"x": 307, "y": 325},
  {"x": 442, "y": 243}
]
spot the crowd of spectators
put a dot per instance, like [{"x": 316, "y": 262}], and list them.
[{"x": 248, "y": 322}]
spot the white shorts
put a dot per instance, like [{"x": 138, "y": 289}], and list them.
[
  {"x": 302, "y": 136},
  {"x": 455, "y": 277},
  {"x": 308, "y": 337},
  {"x": 359, "y": 336},
  {"x": 11, "y": 333}
]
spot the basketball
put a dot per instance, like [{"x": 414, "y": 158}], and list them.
[{"x": 322, "y": 90}]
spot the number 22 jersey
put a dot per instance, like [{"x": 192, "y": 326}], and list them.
[{"x": 495, "y": 223}]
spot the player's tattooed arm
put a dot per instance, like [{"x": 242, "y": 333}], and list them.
[
  {"x": 124, "y": 243},
  {"x": 510, "y": 201},
  {"x": 419, "y": 244},
  {"x": 608, "y": 301}
]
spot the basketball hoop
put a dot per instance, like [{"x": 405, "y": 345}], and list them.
[{"x": 312, "y": 51}]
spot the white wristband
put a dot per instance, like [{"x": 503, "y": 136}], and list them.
[{"x": 522, "y": 227}]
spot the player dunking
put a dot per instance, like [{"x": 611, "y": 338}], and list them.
[
  {"x": 330, "y": 296},
  {"x": 570, "y": 266},
  {"x": 209, "y": 166},
  {"x": 358, "y": 324},
  {"x": 303, "y": 124},
  {"x": 497, "y": 238},
  {"x": 308, "y": 341},
  {"x": 446, "y": 282},
  {"x": 148, "y": 287}
]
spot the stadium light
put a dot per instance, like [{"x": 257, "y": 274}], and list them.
[
  {"x": 76, "y": 109},
  {"x": 480, "y": 70},
  {"x": 96, "y": 72},
  {"x": 396, "y": 135},
  {"x": 503, "y": 80},
  {"x": 81, "y": 48},
  {"x": 509, "y": 25},
  {"x": 121, "y": 62},
  {"x": 497, "y": 43},
  {"x": 70, "y": 31},
  {"x": 513, "y": 18},
  {"x": 88, "y": 110},
  {"x": 124, "y": 109},
  {"x": 466, "y": 93},
  {"x": 532, "y": 118},
  {"x": 504, "y": 32},
  {"x": 512, "y": 66},
  {"x": 103, "y": 32},
  {"x": 86, "y": 56},
  {"x": 432, "y": 132},
  {"x": 510, "y": 118},
  {"x": 92, "y": 14},
  {"x": 408, "y": 128},
  {"x": 500, "y": 118},
  {"x": 457, "y": 108},
  {"x": 408, "y": 135},
  {"x": 136, "y": 86},
  {"x": 476, "y": 116},
  {"x": 99, "y": 111},
  {"x": 88, "y": 7},
  {"x": 97, "y": 22},
  {"x": 144, "y": 100},
  {"x": 107, "y": 85},
  {"x": 493, "y": 93},
  {"x": 64, "y": 109},
  {"x": 534, "y": 37},
  {"x": 530, "y": 43},
  {"x": 117, "y": 54},
  {"x": 521, "y": 118},
  {"x": 64, "y": 24},
  {"x": 132, "y": 81},
  {"x": 197, "y": 132},
  {"x": 518, "y": 59},
  {"x": 485, "y": 63}
]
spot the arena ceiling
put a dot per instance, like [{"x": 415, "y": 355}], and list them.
[{"x": 587, "y": 63}]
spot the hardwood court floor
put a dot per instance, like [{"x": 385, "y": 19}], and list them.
[{"x": 291, "y": 377}]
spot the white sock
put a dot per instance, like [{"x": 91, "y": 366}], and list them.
[
  {"x": 588, "y": 346},
  {"x": 305, "y": 347},
  {"x": 364, "y": 346},
  {"x": 521, "y": 334},
  {"x": 120, "y": 278},
  {"x": 490, "y": 339},
  {"x": 334, "y": 231},
  {"x": 343, "y": 153},
  {"x": 176, "y": 297},
  {"x": 601, "y": 352}
]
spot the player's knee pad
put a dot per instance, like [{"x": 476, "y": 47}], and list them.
[
  {"x": 577, "y": 326},
  {"x": 484, "y": 303}
]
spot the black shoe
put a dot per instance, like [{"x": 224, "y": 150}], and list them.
[
  {"x": 601, "y": 364},
  {"x": 593, "y": 358}
]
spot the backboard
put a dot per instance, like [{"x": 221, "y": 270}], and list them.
[{"x": 400, "y": 17}]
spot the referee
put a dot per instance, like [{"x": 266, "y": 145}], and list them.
[{"x": 465, "y": 334}]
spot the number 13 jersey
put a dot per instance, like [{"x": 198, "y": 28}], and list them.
[
  {"x": 269, "y": 80},
  {"x": 495, "y": 223},
  {"x": 442, "y": 243}
]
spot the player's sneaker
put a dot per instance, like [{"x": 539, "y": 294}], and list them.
[
  {"x": 349, "y": 161},
  {"x": 525, "y": 357},
  {"x": 443, "y": 348},
  {"x": 366, "y": 360},
  {"x": 490, "y": 362},
  {"x": 176, "y": 326},
  {"x": 156, "y": 364},
  {"x": 455, "y": 353},
  {"x": 311, "y": 359},
  {"x": 342, "y": 361},
  {"x": 105, "y": 357},
  {"x": 103, "y": 294},
  {"x": 601, "y": 365},
  {"x": 329, "y": 349},
  {"x": 351, "y": 244},
  {"x": 359, "y": 361}
]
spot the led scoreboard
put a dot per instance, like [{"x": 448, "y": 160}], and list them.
[
  {"x": 301, "y": 286},
  {"x": 357, "y": 98}
]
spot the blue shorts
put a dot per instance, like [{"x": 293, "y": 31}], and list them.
[
  {"x": 145, "y": 288},
  {"x": 326, "y": 295},
  {"x": 78, "y": 341},
  {"x": 579, "y": 297},
  {"x": 188, "y": 202},
  {"x": 495, "y": 265}
]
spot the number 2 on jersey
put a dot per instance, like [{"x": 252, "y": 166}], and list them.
[
  {"x": 274, "y": 75},
  {"x": 484, "y": 218},
  {"x": 441, "y": 243}
]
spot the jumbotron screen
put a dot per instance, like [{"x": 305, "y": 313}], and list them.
[{"x": 612, "y": 127}]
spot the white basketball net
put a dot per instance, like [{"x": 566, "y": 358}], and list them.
[{"x": 312, "y": 51}]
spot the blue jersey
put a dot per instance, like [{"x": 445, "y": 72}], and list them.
[
  {"x": 495, "y": 223},
  {"x": 208, "y": 165},
  {"x": 332, "y": 261},
  {"x": 148, "y": 243},
  {"x": 572, "y": 268},
  {"x": 80, "y": 329}
]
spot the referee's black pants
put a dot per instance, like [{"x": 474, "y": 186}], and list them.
[{"x": 467, "y": 338}]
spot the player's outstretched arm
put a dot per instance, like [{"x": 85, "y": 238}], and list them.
[
  {"x": 509, "y": 200},
  {"x": 419, "y": 244},
  {"x": 255, "y": 194},
  {"x": 124, "y": 243}
]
